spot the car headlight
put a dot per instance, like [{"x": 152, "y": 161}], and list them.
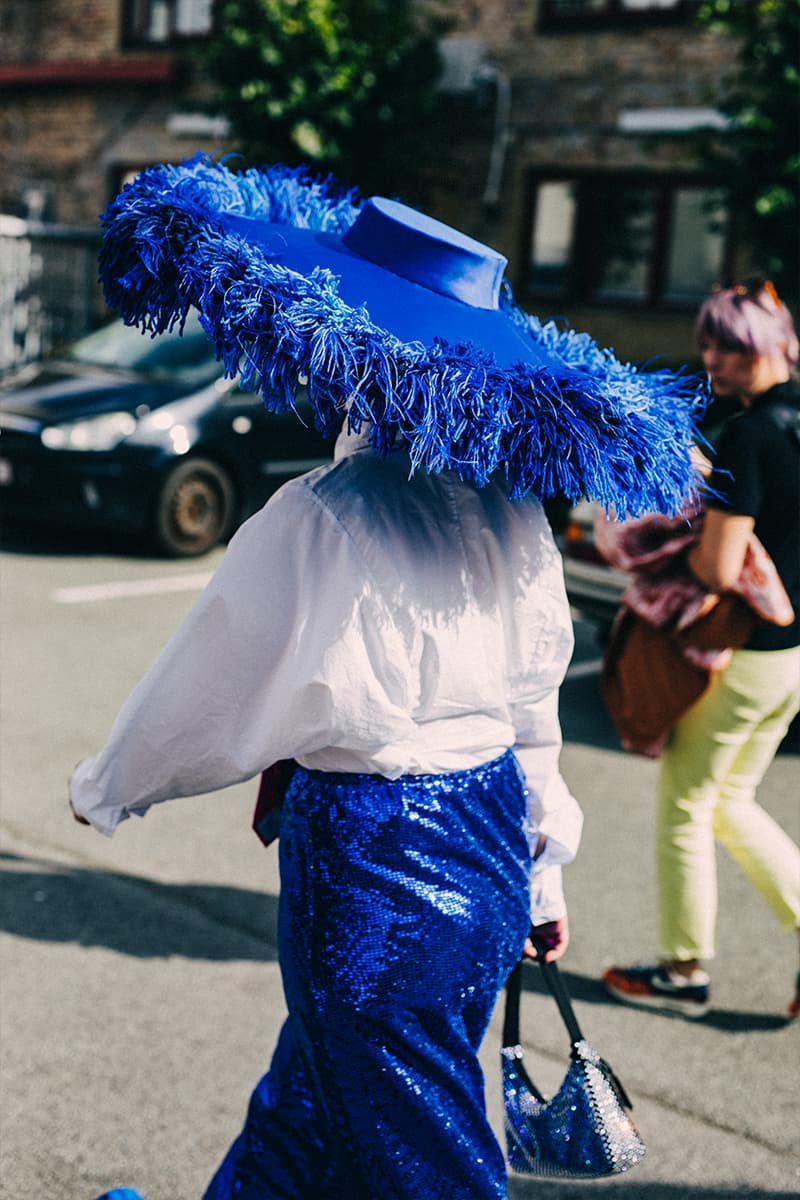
[{"x": 103, "y": 432}]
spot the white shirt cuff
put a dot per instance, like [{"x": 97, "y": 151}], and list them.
[{"x": 547, "y": 896}]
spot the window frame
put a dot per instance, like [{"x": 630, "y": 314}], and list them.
[
  {"x": 577, "y": 288},
  {"x": 132, "y": 38},
  {"x": 121, "y": 172},
  {"x": 553, "y": 19}
]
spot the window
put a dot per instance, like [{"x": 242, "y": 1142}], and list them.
[
  {"x": 160, "y": 22},
  {"x": 578, "y": 14},
  {"x": 624, "y": 239}
]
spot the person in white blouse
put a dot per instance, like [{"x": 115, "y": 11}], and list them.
[
  {"x": 395, "y": 623},
  {"x": 424, "y": 629}
]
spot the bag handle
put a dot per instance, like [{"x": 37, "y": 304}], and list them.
[
  {"x": 558, "y": 990},
  {"x": 511, "y": 1014},
  {"x": 556, "y": 987}
]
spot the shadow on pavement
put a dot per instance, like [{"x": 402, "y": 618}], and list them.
[
  {"x": 629, "y": 1188},
  {"x": 587, "y": 990},
  {"x": 730, "y": 1021},
  {"x": 146, "y": 919},
  {"x": 583, "y": 715},
  {"x": 130, "y": 915},
  {"x": 18, "y": 536}
]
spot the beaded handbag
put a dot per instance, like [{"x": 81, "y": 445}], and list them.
[{"x": 584, "y": 1131}]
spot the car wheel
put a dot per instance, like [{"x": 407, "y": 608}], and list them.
[{"x": 195, "y": 508}]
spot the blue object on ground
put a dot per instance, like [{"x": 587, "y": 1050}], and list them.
[{"x": 121, "y": 1194}]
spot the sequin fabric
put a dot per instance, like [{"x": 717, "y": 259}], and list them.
[
  {"x": 404, "y": 906},
  {"x": 582, "y": 1132}
]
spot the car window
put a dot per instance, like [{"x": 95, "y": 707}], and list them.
[
  {"x": 241, "y": 399},
  {"x": 122, "y": 346}
]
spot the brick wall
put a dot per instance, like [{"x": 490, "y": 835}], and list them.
[
  {"x": 571, "y": 88},
  {"x": 568, "y": 89},
  {"x": 59, "y": 30},
  {"x": 77, "y": 108}
]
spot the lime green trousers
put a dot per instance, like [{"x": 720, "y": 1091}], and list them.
[{"x": 717, "y": 755}]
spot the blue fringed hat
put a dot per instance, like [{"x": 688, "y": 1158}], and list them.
[{"x": 393, "y": 319}]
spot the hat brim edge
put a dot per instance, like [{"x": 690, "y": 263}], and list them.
[{"x": 571, "y": 421}]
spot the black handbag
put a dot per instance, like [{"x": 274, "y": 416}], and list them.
[{"x": 584, "y": 1131}]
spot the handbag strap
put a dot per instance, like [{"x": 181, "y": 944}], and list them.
[
  {"x": 557, "y": 989},
  {"x": 511, "y": 1014}
]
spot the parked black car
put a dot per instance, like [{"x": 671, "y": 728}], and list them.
[{"x": 143, "y": 435}]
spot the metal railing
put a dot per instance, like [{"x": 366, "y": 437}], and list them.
[{"x": 48, "y": 289}]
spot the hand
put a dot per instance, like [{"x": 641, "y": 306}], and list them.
[
  {"x": 81, "y": 820},
  {"x": 555, "y": 935}
]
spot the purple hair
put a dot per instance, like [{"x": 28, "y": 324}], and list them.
[{"x": 751, "y": 318}]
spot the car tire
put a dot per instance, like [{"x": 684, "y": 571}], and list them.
[{"x": 195, "y": 508}]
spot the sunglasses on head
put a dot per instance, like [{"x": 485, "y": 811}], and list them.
[{"x": 752, "y": 288}]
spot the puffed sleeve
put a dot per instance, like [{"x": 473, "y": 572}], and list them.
[
  {"x": 552, "y": 810},
  {"x": 542, "y": 654},
  {"x": 234, "y": 690}
]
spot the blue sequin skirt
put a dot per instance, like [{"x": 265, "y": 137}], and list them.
[{"x": 403, "y": 908}]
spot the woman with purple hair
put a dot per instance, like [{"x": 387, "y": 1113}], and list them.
[{"x": 720, "y": 749}]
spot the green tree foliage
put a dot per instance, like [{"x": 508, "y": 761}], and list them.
[
  {"x": 759, "y": 155},
  {"x": 345, "y": 86}
]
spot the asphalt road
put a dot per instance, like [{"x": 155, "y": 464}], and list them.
[{"x": 140, "y": 995}]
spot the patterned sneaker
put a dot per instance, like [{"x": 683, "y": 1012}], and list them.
[{"x": 658, "y": 987}]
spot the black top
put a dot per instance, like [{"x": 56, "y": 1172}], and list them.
[{"x": 757, "y": 474}]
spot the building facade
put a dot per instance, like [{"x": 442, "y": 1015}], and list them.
[
  {"x": 596, "y": 196},
  {"x": 563, "y": 139}
]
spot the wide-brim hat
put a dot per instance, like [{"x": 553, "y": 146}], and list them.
[{"x": 391, "y": 318}]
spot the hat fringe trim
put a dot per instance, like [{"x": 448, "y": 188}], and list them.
[{"x": 588, "y": 425}]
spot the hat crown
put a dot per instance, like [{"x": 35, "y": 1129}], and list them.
[{"x": 427, "y": 252}]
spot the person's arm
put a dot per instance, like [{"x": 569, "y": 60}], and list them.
[
  {"x": 540, "y": 651},
  {"x": 701, "y": 461},
  {"x": 554, "y": 819},
  {"x": 718, "y": 556},
  {"x": 233, "y": 690},
  {"x": 552, "y": 935}
]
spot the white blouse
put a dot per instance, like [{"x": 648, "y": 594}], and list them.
[{"x": 361, "y": 621}]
